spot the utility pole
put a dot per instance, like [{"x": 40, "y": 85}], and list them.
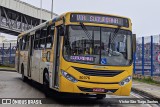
[
  {"x": 41, "y": 11},
  {"x": 52, "y": 10}
]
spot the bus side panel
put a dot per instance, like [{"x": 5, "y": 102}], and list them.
[
  {"x": 42, "y": 67},
  {"x": 44, "y": 64},
  {"x": 35, "y": 67}
]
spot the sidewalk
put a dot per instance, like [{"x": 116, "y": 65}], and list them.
[
  {"x": 146, "y": 89},
  {"x": 7, "y": 69}
]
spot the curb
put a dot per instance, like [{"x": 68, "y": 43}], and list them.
[
  {"x": 9, "y": 70},
  {"x": 154, "y": 78},
  {"x": 144, "y": 93}
]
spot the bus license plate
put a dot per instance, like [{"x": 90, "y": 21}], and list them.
[{"x": 98, "y": 90}]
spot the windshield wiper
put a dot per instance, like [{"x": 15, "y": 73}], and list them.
[
  {"x": 86, "y": 31},
  {"x": 111, "y": 39}
]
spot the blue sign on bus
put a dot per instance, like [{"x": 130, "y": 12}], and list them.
[{"x": 103, "y": 61}]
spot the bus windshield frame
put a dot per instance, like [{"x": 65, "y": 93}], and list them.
[{"x": 102, "y": 36}]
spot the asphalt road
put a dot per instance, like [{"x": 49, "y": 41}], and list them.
[{"x": 12, "y": 86}]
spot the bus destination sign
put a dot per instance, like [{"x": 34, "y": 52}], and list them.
[{"x": 101, "y": 19}]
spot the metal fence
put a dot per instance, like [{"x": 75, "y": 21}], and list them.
[
  {"x": 7, "y": 53},
  {"x": 147, "y": 56}
]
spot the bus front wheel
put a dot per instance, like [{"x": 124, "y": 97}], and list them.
[
  {"x": 46, "y": 83},
  {"x": 100, "y": 96},
  {"x": 24, "y": 78}
]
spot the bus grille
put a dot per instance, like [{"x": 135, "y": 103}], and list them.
[
  {"x": 103, "y": 73},
  {"x": 91, "y": 90}
]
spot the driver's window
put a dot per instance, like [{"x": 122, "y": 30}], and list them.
[{"x": 50, "y": 36}]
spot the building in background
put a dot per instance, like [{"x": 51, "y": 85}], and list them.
[
  {"x": 2, "y": 38},
  {"x": 6, "y": 42}
]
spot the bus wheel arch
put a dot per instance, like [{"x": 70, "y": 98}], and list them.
[
  {"x": 45, "y": 73},
  {"x": 46, "y": 82},
  {"x": 24, "y": 78}
]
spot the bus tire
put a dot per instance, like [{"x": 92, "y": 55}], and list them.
[
  {"x": 24, "y": 78},
  {"x": 46, "y": 83},
  {"x": 100, "y": 96}
]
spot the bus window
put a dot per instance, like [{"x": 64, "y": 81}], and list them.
[
  {"x": 49, "y": 42},
  {"x": 18, "y": 44},
  {"x": 36, "y": 40},
  {"x": 43, "y": 32},
  {"x": 26, "y": 42},
  {"x": 21, "y": 44},
  {"x": 42, "y": 43},
  {"x": 43, "y": 35},
  {"x": 50, "y": 37}
]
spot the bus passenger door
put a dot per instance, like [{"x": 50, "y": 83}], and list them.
[
  {"x": 30, "y": 49},
  {"x": 56, "y": 60}
]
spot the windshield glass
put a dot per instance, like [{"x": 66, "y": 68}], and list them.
[{"x": 97, "y": 45}]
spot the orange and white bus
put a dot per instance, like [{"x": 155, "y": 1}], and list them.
[{"x": 77, "y": 52}]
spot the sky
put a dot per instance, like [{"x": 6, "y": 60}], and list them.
[{"x": 145, "y": 14}]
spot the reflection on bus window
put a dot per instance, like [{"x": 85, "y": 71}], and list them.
[
  {"x": 80, "y": 44},
  {"x": 97, "y": 43},
  {"x": 50, "y": 37},
  {"x": 36, "y": 40},
  {"x": 49, "y": 42},
  {"x": 42, "y": 43}
]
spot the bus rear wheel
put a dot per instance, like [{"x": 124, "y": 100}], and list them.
[
  {"x": 100, "y": 96},
  {"x": 46, "y": 84}
]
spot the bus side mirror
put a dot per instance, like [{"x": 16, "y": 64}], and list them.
[{"x": 134, "y": 42}]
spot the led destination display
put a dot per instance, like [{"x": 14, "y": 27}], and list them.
[{"x": 102, "y": 19}]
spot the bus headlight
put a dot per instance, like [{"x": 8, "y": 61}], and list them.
[
  {"x": 125, "y": 81},
  {"x": 69, "y": 77}
]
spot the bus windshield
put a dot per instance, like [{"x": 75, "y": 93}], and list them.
[{"x": 98, "y": 45}]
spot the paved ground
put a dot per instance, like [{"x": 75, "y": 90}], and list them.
[
  {"x": 11, "y": 86},
  {"x": 149, "y": 89}
]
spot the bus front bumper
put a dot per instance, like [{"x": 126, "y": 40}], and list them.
[{"x": 88, "y": 88}]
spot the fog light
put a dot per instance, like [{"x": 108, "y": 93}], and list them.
[
  {"x": 125, "y": 81},
  {"x": 122, "y": 83},
  {"x": 69, "y": 77}
]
